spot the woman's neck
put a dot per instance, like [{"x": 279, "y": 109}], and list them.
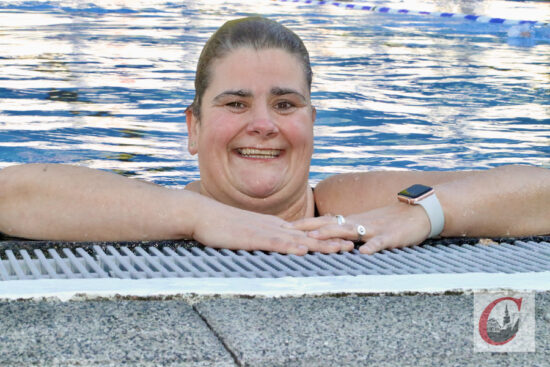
[{"x": 301, "y": 206}]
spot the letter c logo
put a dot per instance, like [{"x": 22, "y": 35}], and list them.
[{"x": 485, "y": 318}]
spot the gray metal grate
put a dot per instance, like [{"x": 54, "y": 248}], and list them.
[{"x": 153, "y": 262}]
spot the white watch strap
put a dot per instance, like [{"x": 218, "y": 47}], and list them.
[{"x": 435, "y": 213}]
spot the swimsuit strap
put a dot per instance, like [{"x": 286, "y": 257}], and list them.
[{"x": 315, "y": 210}]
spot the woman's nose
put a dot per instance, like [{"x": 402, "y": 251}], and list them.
[{"x": 262, "y": 123}]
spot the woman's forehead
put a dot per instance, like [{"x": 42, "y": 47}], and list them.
[{"x": 247, "y": 69}]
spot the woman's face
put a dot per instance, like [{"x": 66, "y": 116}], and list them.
[{"x": 255, "y": 134}]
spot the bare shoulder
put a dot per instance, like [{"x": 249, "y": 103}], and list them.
[
  {"x": 350, "y": 193},
  {"x": 194, "y": 186}
]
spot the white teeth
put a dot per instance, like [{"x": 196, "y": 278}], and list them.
[{"x": 259, "y": 153}]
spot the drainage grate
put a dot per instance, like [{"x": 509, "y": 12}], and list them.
[{"x": 196, "y": 262}]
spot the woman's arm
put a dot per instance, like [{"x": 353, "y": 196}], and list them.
[
  {"x": 61, "y": 202},
  {"x": 504, "y": 201}
]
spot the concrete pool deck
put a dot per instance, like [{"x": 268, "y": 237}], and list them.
[
  {"x": 385, "y": 327},
  {"x": 353, "y": 330}
]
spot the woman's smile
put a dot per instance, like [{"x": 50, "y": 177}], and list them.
[{"x": 262, "y": 154}]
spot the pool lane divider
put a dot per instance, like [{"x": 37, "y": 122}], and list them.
[{"x": 388, "y": 10}]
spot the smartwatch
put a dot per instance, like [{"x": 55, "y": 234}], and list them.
[{"x": 425, "y": 196}]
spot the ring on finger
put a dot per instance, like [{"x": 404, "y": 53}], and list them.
[
  {"x": 340, "y": 219},
  {"x": 361, "y": 231}
]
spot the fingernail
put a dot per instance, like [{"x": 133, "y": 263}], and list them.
[
  {"x": 335, "y": 244},
  {"x": 287, "y": 225}
]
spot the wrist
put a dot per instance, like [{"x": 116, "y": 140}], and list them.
[{"x": 425, "y": 197}]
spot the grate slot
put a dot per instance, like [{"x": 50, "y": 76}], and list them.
[
  {"x": 129, "y": 263},
  {"x": 61, "y": 266},
  {"x": 370, "y": 262},
  {"x": 229, "y": 263},
  {"x": 4, "y": 272},
  {"x": 77, "y": 266},
  {"x": 323, "y": 266},
  {"x": 31, "y": 264},
  {"x": 401, "y": 257},
  {"x": 156, "y": 263},
  {"x": 15, "y": 266},
  {"x": 264, "y": 268},
  {"x": 92, "y": 263},
  {"x": 383, "y": 260},
  {"x": 210, "y": 267},
  {"x": 137, "y": 263},
  {"x": 244, "y": 259},
  {"x": 288, "y": 268},
  {"x": 196, "y": 261},
  {"x": 109, "y": 265},
  {"x": 170, "y": 262},
  {"x": 354, "y": 268},
  {"x": 298, "y": 264},
  {"x": 46, "y": 264},
  {"x": 197, "y": 268}
]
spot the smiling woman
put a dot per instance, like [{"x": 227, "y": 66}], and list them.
[
  {"x": 251, "y": 124},
  {"x": 254, "y": 138}
]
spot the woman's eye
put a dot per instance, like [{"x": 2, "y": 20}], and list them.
[
  {"x": 284, "y": 106},
  {"x": 235, "y": 105}
]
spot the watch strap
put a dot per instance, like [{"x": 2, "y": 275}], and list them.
[{"x": 435, "y": 214}]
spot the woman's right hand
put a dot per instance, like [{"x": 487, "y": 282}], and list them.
[
  {"x": 93, "y": 205},
  {"x": 221, "y": 226}
]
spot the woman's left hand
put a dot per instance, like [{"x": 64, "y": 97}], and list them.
[{"x": 393, "y": 226}]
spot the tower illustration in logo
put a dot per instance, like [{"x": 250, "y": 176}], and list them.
[
  {"x": 505, "y": 332},
  {"x": 491, "y": 330}
]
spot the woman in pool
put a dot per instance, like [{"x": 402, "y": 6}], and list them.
[{"x": 251, "y": 124}]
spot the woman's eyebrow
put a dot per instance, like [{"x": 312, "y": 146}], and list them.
[
  {"x": 280, "y": 91},
  {"x": 238, "y": 93},
  {"x": 275, "y": 91}
]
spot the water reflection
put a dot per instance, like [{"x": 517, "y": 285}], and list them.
[{"x": 105, "y": 84}]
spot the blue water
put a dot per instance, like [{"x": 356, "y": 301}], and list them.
[{"x": 105, "y": 84}]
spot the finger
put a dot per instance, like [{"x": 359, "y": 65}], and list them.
[
  {"x": 346, "y": 245},
  {"x": 282, "y": 244},
  {"x": 310, "y": 224},
  {"x": 327, "y": 246},
  {"x": 373, "y": 245},
  {"x": 332, "y": 245},
  {"x": 300, "y": 244},
  {"x": 346, "y": 231}
]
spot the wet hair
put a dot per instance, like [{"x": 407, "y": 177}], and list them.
[{"x": 255, "y": 32}]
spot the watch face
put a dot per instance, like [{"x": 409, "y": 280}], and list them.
[{"x": 415, "y": 191}]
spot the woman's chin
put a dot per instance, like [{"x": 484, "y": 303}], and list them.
[{"x": 259, "y": 190}]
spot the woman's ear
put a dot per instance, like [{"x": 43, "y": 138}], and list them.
[{"x": 192, "y": 131}]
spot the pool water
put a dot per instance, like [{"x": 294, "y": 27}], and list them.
[{"x": 105, "y": 84}]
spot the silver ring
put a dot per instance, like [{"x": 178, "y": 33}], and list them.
[
  {"x": 340, "y": 219},
  {"x": 361, "y": 231}
]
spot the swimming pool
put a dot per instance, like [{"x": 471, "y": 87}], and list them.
[{"x": 105, "y": 83}]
